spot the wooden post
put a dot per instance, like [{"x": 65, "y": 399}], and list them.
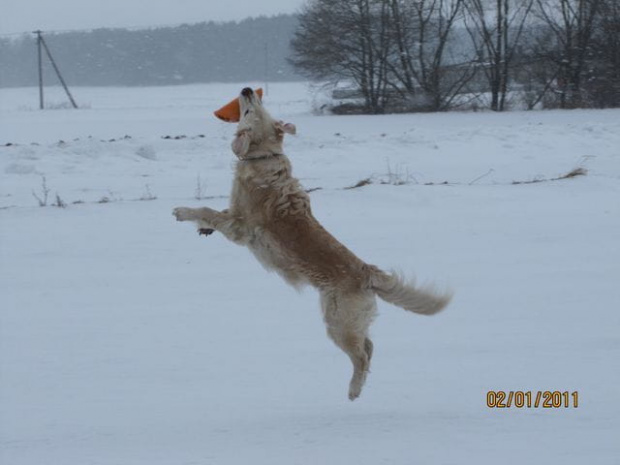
[
  {"x": 266, "y": 69},
  {"x": 41, "y": 105}
]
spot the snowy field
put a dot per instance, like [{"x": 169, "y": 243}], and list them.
[{"x": 125, "y": 338}]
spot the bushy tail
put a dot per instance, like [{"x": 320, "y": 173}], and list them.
[{"x": 395, "y": 289}]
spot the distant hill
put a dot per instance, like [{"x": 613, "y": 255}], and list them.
[{"x": 251, "y": 50}]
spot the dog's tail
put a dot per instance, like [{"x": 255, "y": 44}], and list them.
[{"x": 395, "y": 289}]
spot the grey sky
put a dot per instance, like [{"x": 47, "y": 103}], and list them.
[{"x": 51, "y": 15}]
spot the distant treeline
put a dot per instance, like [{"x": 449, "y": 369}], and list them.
[{"x": 253, "y": 49}]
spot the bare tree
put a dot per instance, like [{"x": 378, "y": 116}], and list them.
[
  {"x": 404, "y": 32},
  {"x": 571, "y": 24},
  {"x": 345, "y": 40},
  {"x": 532, "y": 69},
  {"x": 603, "y": 75},
  {"x": 374, "y": 29},
  {"x": 496, "y": 32},
  {"x": 422, "y": 32}
]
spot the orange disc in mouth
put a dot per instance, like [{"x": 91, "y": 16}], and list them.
[{"x": 231, "y": 112}]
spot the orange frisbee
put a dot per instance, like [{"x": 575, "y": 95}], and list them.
[{"x": 231, "y": 113}]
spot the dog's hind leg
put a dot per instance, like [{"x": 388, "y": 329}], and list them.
[
  {"x": 368, "y": 348},
  {"x": 348, "y": 317}
]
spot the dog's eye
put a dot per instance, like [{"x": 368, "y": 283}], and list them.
[{"x": 246, "y": 112}]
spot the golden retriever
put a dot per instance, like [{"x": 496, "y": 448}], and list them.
[{"x": 270, "y": 214}]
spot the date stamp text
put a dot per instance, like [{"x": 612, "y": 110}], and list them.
[{"x": 532, "y": 399}]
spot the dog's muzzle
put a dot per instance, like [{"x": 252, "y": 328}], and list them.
[{"x": 247, "y": 92}]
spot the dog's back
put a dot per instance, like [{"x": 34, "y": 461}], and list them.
[{"x": 284, "y": 235}]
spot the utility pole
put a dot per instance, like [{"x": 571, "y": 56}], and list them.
[
  {"x": 38, "y": 33},
  {"x": 41, "y": 42},
  {"x": 266, "y": 69}
]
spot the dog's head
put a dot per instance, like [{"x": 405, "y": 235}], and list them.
[{"x": 258, "y": 134}]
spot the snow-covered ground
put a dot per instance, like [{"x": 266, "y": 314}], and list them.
[{"x": 125, "y": 338}]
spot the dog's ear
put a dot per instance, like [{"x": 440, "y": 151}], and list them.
[
  {"x": 241, "y": 144},
  {"x": 285, "y": 128}
]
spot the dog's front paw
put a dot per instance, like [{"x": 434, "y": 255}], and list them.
[{"x": 183, "y": 214}]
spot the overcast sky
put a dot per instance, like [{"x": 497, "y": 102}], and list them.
[{"x": 53, "y": 15}]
